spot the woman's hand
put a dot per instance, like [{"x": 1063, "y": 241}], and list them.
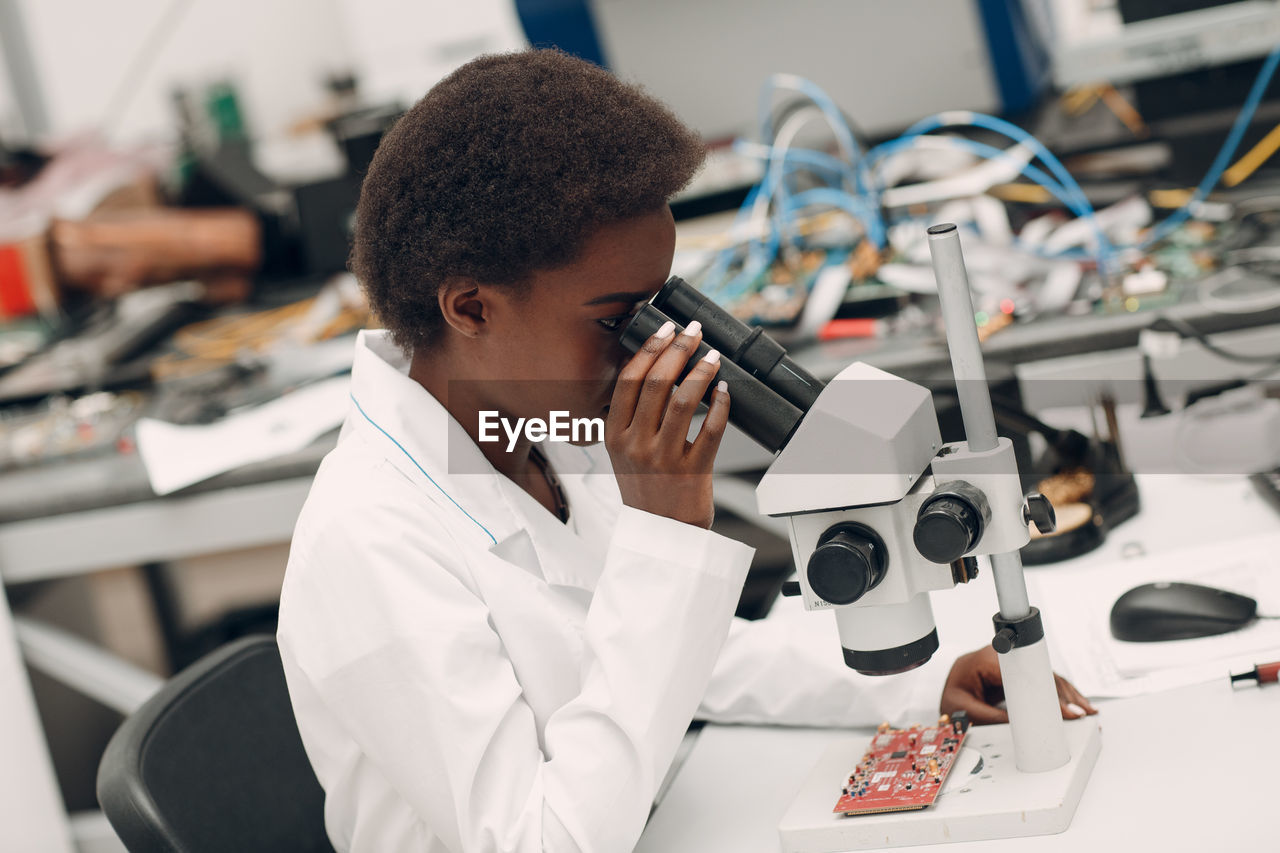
[
  {"x": 974, "y": 686},
  {"x": 646, "y": 433}
]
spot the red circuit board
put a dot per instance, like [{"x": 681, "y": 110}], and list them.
[{"x": 903, "y": 769}]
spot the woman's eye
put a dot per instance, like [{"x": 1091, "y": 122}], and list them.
[{"x": 614, "y": 323}]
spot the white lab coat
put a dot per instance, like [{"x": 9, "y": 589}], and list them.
[{"x": 470, "y": 674}]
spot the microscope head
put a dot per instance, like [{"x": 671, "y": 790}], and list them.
[
  {"x": 850, "y": 481},
  {"x": 866, "y": 440},
  {"x": 880, "y": 511}
]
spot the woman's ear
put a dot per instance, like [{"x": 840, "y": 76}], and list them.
[{"x": 463, "y": 304}]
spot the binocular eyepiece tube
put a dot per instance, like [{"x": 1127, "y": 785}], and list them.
[
  {"x": 746, "y": 346},
  {"x": 760, "y": 413},
  {"x": 770, "y": 392}
]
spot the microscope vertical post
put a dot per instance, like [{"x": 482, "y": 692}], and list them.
[{"x": 1039, "y": 739}]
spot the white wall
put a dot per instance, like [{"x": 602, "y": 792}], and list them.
[
  {"x": 886, "y": 62},
  {"x": 11, "y": 128},
  {"x": 402, "y": 47},
  {"x": 277, "y": 51}
]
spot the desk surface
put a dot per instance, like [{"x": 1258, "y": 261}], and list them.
[
  {"x": 112, "y": 480},
  {"x": 1190, "y": 769}
]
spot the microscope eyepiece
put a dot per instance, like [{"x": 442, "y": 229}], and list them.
[
  {"x": 748, "y": 347},
  {"x": 756, "y": 410}
]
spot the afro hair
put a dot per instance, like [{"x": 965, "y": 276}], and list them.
[{"x": 507, "y": 167}]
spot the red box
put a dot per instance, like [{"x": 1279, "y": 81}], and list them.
[{"x": 26, "y": 278}]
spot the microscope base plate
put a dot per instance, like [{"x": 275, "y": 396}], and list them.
[{"x": 991, "y": 800}]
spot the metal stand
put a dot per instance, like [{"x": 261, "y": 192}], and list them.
[
  {"x": 1028, "y": 679},
  {"x": 1035, "y": 768}
]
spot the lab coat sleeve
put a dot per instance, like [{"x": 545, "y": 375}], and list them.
[
  {"x": 433, "y": 701},
  {"x": 787, "y": 669}
]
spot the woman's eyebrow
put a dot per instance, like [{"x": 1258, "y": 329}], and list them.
[{"x": 628, "y": 297}]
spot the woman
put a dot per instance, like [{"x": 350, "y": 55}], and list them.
[{"x": 497, "y": 645}]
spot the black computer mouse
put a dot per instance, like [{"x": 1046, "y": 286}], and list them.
[
  {"x": 1165, "y": 611},
  {"x": 1178, "y": 611}
]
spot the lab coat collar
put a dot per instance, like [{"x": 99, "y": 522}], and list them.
[{"x": 422, "y": 440}]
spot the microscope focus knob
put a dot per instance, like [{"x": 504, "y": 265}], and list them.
[
  {"x": 847, "y": 564},
  {"x": 950, "y": 523},
  {"x": 1039, "y": 511}
]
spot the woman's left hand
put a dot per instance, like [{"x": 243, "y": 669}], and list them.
[{"x": 974, "y": 686}]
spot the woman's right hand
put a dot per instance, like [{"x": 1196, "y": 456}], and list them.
[{"x": 646, "y": 432}]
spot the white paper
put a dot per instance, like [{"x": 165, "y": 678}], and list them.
[
  {"x": 177, "y": 456},
  {"x": 1077, "y": 607}
]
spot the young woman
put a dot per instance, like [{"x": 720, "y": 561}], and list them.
[{"x": 497, "y": 645}]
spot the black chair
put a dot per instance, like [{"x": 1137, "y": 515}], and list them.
[{"x": 214, "y": 762}]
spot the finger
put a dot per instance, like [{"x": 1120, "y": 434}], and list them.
[
  {"x": 688, "y": 395},
  {"x": 980, "y": 713},
  {"x": 1080, "y": 699},
  {"x": 1071, "y": 711},
  {"x": 655, "y": 390},
  {"x": 626, "y": 390},
  {"x": 707, "y": 444},
  {"x": 1069, "y": 694}
]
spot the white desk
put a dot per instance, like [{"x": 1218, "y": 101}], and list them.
[
  {"x": 1194, "y": 769},
  {"x": 1188, "y": 770}
]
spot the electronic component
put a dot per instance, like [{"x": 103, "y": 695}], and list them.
[
  {"x": 1263, "y": 673},
  {"x": 63, "y": 427},
  {"x": 106, "y": 353},
  {"x": 903, "y": 769}
]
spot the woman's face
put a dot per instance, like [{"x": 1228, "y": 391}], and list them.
[{"x": 555, "y": 347}]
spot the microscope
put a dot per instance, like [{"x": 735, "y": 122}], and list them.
[{"x": 881, "y": 512}]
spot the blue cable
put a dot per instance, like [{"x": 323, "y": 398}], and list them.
[
  {"x": 863, "y": 201},
  {"x": 715, "y": 276},
  {"x": 819, "y": 98},
  {"x": 832, "y": 113},
  {"x": 1079, "y": 203},
  {"x": 841, "y": 200},
  {"x": 987, "y": 152},
  {"x": 805, "y": 158},
  {"x": 773, "y": 188},
  {"x": 796, "y": 159},
  {"x": 991, "y": 152},
  {"x": 1070, "y": 187},
  {"x": 1228, "y": 150},
  {"x": 1008, "y": 129}
]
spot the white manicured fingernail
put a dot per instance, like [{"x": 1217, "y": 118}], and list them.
[
  {"x": 722, "y": 386},
  {"x": 712, "y": 356},
  {"x": 1075, "y": 709},
  {"x": 665, "y": 330},
  {"x": 693, "y": 328}
]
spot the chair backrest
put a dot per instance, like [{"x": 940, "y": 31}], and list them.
[{"x": 214, "y": 762}]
